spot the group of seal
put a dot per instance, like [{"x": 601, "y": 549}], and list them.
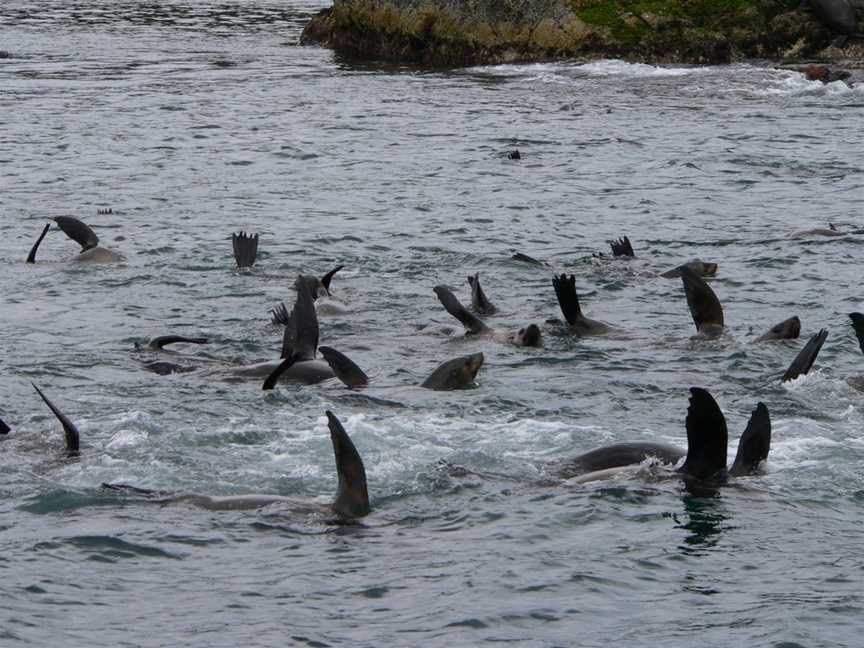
[{"x": 704, "y": 460}]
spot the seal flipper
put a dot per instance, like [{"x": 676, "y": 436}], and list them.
[
  {"x": 453, "y": 306},
  {"x": 352, "y": 497},
  {"x": 754, "y": 444},
  {"x": 165, "y": 340},
  {"x": 858, "y": 325},
  {"x": 344, "y": 368},
  {"x": 327, "y": 278},
  {"x": 707, "y": 437},
  {"x": 703, "y": 303},
  {"x": 31, "y": 258},
  {"x": 245, "y": 249},
  {"x": 568, "y": 300},
  {"x": 274, "y": 376},
  {"x": 78, "y": 232},
  {"x": 4, "y": 429},
  {"x": 280, "y": 316},
  {"x": 622, "y": 247},
  {"x": 73, "y": 438},
  {"x": 806, "y": 357},
  {"x": 478, "y": 298}
]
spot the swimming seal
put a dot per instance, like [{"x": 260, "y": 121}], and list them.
[
  {"x": 351, "y": 500},
  {"x": 704, "y": 306},
  {"x": 457, "y": 373},
  {"x": 72, "y": 436},
  {"x": 820, "y": 231},
  {"x": 568, "y": 300},
  {"x": 245, "y": 249},
  {"x": 702, "y": 268},
  {"x": 527, "y": 336},
  {"x": 165, "y": 367},
  {"x": 79, "y": 232},
  {"x": 479, "y": 302},
  {"x": 705, "y": 458},
  {"x": 788, "y": 329},
  {"x": 806, "y": 357}
]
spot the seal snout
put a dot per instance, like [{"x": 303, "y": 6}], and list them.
[{"x": 530, "y": 335}]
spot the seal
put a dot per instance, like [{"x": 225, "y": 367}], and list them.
[
  {"x": 322, "y": 295},
  {"x": 479, "y": 302},
  {"x": 803, "y": 362},
  {"x": 830, "y": 231},
  {"x": 702, "y": 268},
  {"x": 622, "y": 248},
  {"x": 4, "y": 429},
  {"x": 527, "y": 336},
  {"x": 245, "y": 249},
  {"x": 79, "y": 232},
  {"x": 165, "y": 367},
  {"x": 72, "y": 436},
  {"x": 788, "y": 329},
  {"x": 458, "y": 373},
  {"x": 351, "y": 500},
  {"x": 858, "y": 327},
  {"x": 705, "y": 458},
  {"x": 704, "y": 306},
  {"x": 568, "y": 300}
]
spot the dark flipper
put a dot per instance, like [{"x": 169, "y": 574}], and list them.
[
  {"x": 478, "y": 298},
  {"x": 807, "y": 356},
  {"x": 78, "y": 232},
  {"x": 453, "y": 306},
  {"x": 165, "y": 340},
  {"x": 73, "y": 438},
  {"x": 568, "y": 300},
  {"x": 274, "y": 376},
  {"x": 301, "y": 329},
  {"x": 754, "y": 444},
  {"x": 344, "y": 368},
  {"x": 704, "y": 306},
  {"x": 162, "y": 496},
  {"x": 245, "y": 249},
  {"x": 707, "y": 436},
  {"x": 526, "y": 259},
  {"x": 858, "y": 325},
  {"x": 327, "y": 278},
  {"x": 352, "y": 498},
  {"x": 622, "y": 248},
  {"x": 31, "y": 258},
  {"x": 4, "y": 429},
  {"x": 280, "y": 315}
]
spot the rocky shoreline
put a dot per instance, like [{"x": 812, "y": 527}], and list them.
[{"x": 473, "y": 32}]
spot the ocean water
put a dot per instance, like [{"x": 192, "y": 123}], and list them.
[{"x": 191, "y": 120}]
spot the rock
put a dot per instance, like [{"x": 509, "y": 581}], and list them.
[{"x": 823, "y": 73}]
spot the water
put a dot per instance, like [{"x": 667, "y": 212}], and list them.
[{"x": 191, "y": 120}]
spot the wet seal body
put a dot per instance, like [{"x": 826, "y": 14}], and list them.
[
  {"x": 830, "y": 231},
  {"x": 79, "y": 232},
  {"x": 788, "y": 329},
  {"x": 458, "y": 373},
  {"x": 704, "y": 306},
  {"x": 479, "y": 302},
  {"x": 701, "y": 268},
  {"x": 351, "y": 500},
  {"x": 527, "y": 336},
  {"x": 166, "y": 367}
]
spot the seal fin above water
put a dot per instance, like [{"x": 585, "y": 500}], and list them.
[
  {"x": 453, "y": 306},
  {"x": 164, "y": 340},
  {"x": 245, "y": 249},
  {"x": 479, "y": 302},
  {"x": 344, "y": 368},
  {"x": 31, "y": 258},
  {"x": 301, "y": 329},
  {"x": 707, "y": 436},
  {"x": 703, "y": 303},
  {"x": 4, "y": 429},
  {"x": 568, "y": 300},
  {"x": 622, "y": 247},
  {"x": 754, "y": 444},
  {"x": 327, "y": 278},
  {"x": 352, "y": 497},
  {"x": 273, "y": 378},
  {"x": 73, "y": 438},
  {"x": 858, "y": 325},
  {"x": 78, "y": 231},
  {"x": 806, "y": 357},
  {"x": 518, "y": 256}
]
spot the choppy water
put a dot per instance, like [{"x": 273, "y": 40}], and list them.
[{"x": 193, "y": 119}]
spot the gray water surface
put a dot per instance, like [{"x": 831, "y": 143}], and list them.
[{"x": 191, "y": 120}]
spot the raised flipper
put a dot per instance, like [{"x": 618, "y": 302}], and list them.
[
  {"x": 788, "y": 329},
  {"x": 707, "y": 437},
  {"x": 4, "y": 429},
  {"x": 280, "y": 315},
  {"x": 245, "y": 249},
  {"x": 471, "y": 322},
  {"x": 73, "y": 438},
  {"x": 703, "y": 303},
  {"x": 806, "y": 357},
  {"x": 622, "y": 248},
  {"x": 858, "y": 325},
  {"x": 78, "y": 232},
  {"x": 754, "y": 444},
  {"x": 301, "y": 330},
  {"x": 568, "y": 300},
  {"x": 352, "y": 497},
  {"x": 327, "y": 278},
  {"x": 31, "y": 258},
  {"x": 274, "y": 376},
  {"x": 165, "y": 340},
  {"x": 479, "y": 302},
  {"x": 344, "y": 368}
]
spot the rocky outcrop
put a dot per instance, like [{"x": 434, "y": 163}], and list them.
[{"x": 468, "y": 32}]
